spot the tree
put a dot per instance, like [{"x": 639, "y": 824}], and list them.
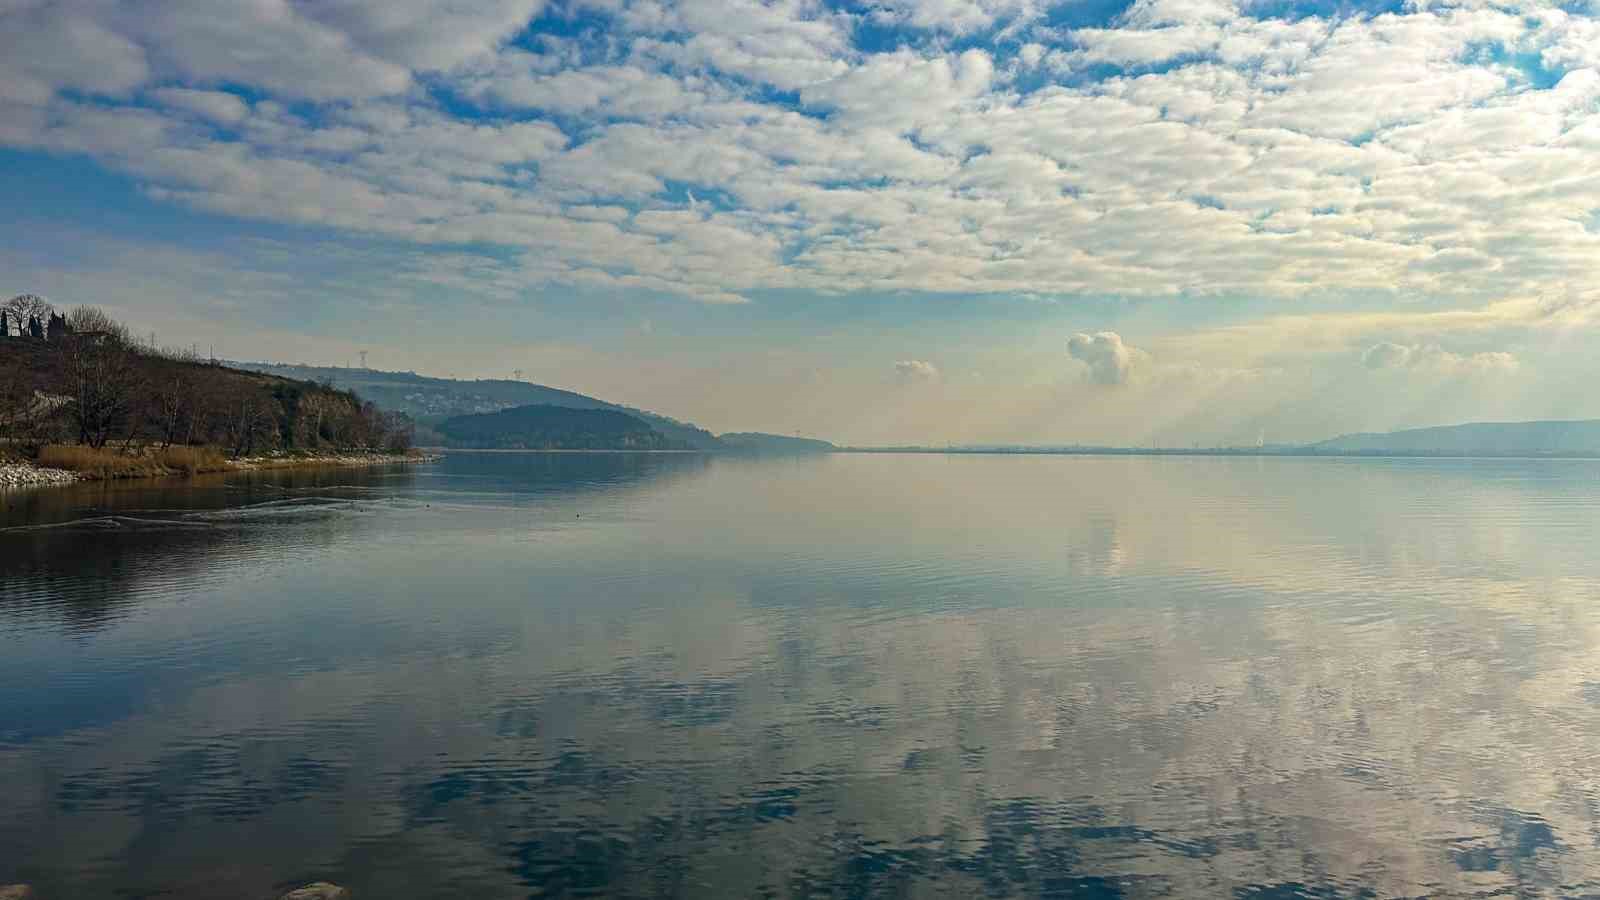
[
  {"x": 174, "y": 397},
  {"x": 102, "y": 379},
  {"x": 25, "y": 307},
  {"x": 399, "y": 432},
  {"x": 247, "y": 418},
  {"x": 92, "y": 320}
]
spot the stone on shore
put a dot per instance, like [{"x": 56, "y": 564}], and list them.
[
  {"x": 16, "y": 892},
  {"x": 24, "y": 475},
  {"x": 320, "y": 890}
]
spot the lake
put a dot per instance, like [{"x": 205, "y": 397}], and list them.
[{"x": 509, "y": 675}]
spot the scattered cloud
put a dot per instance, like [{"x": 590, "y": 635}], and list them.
[
  {"x": 1198, "y": 147},
  {"x": 1372, "y": 183}
]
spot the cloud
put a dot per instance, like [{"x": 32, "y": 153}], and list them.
[
  {"x": 1386, "y": 355},
  {"x": 214, "y": 106},
  {"x": 1184, "y": 148},
  {"x": 1433, "y": 359},
  {"x": 916, "y": 371},
  {"x": 1108, "y": 358}
]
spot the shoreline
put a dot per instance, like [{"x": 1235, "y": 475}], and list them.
[
  {"x": 27, "y": 475},
  {"x": 440, "y": 451}
]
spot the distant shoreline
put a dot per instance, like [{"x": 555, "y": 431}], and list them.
[
  {"x": 1051, "y": 451},
  {"x": 1214, "y": 452}
]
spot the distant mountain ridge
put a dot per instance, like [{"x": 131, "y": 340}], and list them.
[
  {"x": 431, "y": 401},
  {"x": 1577, "y": 437}
]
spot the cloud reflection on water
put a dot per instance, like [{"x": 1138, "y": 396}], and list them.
[{"x": 849, "y": 676}]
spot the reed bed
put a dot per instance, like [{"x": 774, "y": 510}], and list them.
[
  {"x": 99, "y": 464},
  {"x": 193, "y": 460}
]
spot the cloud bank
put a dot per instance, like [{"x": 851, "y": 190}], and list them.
[{"x": 718, "y": 149}]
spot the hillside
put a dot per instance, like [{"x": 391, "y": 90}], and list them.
[
  {"x": 1555, "y": 438},
  {"x": 102, "y": 387},
  {"x": 760, "y": 442},
  {"x": 433, "y": 400},
  {"x": 545, "y": 427}
]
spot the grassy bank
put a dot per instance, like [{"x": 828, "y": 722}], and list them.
[
  {"x": 101, "y": 464},
  {"x": 107, "y": 463}
]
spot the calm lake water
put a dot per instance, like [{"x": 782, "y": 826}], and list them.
[{"x": 513, "y": 675}]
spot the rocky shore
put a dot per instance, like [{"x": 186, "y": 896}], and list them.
[
  {"x": 27, "y": 475},
  {"x": 18, "y": 475},
  {"x": 320, "y": 890},
  {"x": 283, "y": 461}
]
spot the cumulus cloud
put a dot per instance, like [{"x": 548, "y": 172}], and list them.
[
  {"x": 916, "y": 371},
  {"x": 1108, "y": 358}
]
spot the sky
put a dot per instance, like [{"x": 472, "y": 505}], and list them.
[{"x": 1168, "y": 222}]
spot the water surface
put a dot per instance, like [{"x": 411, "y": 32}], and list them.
[{"x": 671, "y": 675}]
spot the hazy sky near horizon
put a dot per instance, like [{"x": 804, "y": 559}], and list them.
[{"x": 1174, "y": 221}]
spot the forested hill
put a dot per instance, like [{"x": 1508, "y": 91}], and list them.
[
  {"x": 98, "y": 386},
  {"x": 431, "y": 401},
  {"x": 544, "y": 427},
  {"x": 1556, "y": 438},
  {"x": 760, "y": 442}
]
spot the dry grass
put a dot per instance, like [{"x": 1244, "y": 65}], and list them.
[
  {"x": 193, "y": 460},
  {"x": 98, "y": 464}
]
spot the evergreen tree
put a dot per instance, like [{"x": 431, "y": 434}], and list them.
[{"x": 35, "y": 330}]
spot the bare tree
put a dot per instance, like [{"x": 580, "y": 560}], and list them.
[
  {"x": 95, "y": 322},
  {"x": 102, "y": 378},
  {"x": 248, "y": 418},
  {"x": 172, "y": 403},
  {"x": 21, "y": 308}
]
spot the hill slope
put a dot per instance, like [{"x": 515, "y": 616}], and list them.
[
  {"x": 433, "y": 400},
  {"x": 98, "y": 390},
  {"x": 545, "y": 427},
  {"x": 1556, "y": 438},
  {"x": 760, "y": 442}
]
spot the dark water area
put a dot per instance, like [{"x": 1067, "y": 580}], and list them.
[{"x": 517, "y": 675}]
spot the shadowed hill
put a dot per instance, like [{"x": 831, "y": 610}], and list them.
[
  {"x": 1555, "y": 438},
  {"x": 544, "y": 427},
  {"x": 433, "y": 400}
]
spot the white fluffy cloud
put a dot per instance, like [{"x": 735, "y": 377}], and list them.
[{"x": 1108, "y": 358}]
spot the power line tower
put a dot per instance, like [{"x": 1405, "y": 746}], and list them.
[
  {"x": 516, "y": 374},
  {"x": 363, "y": 359}
]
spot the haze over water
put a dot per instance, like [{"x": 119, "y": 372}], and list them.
[{"x": 628, "y": 675}]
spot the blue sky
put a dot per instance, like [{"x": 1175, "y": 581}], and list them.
[{"x": 1165, "y": 221}]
